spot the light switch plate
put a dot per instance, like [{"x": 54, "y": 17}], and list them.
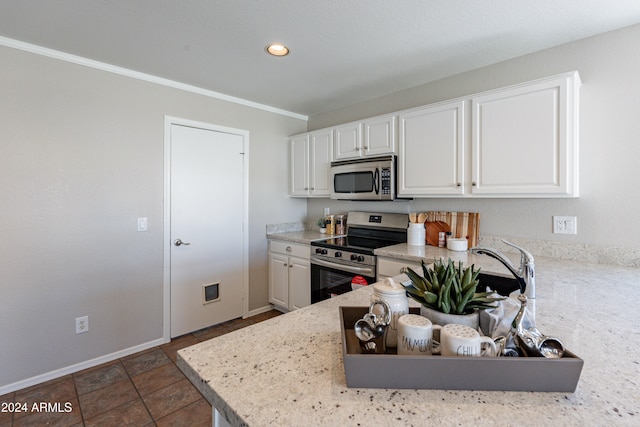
[
  {"x": 142, "y": 224},
  {"x": 565, "y": 225}
]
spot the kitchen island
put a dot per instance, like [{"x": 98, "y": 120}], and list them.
[{"x": 288, "y": 371}]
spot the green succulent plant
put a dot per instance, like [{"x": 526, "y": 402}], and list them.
[{"x": 449, "y": 289}]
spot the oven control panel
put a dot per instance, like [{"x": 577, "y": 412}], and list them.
[
  {"x": 342, "y": 256},
  {"x": 377, "y": 219}
]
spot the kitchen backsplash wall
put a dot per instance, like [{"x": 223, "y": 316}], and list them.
[{"x": 494, "y": 227}]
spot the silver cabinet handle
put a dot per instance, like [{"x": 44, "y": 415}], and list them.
[
  {"x": 179, "y": 242},
  {"x": 288, "y": 249}
]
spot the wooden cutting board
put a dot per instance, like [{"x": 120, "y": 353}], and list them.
[{"x": 461, "y": 224}]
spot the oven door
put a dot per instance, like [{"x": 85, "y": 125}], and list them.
[{"x": 329, "y": 279}]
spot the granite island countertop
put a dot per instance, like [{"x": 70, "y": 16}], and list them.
[{"x": 288, "y": 371}]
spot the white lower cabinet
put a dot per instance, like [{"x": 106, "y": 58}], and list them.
[
  {"x": 389, "y": 267},
  {"x": 289, "y": 275}
]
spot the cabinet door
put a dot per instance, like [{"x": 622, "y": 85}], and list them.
[
  {"x": 279, "y": 280},
  {"x": 380, "y": 135},
  {"x": 524, "y": 140},
  {"x": 299, "y": 166},
  {"x": 348, "y": 141},
  {"x": 431, "y": 150},
  {"x": 299, "y": 283},
  {"x": 321, "y": 153},
  {"x": 390, "y": 267}
]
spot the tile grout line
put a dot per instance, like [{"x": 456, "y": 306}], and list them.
[
  {"x": 153, "y": 420},
  {"x": 75, "y": 387}
]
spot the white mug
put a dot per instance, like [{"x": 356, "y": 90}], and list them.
[
  {"x": 463, "y": 341},
  {"x": 415, "y": 335}
]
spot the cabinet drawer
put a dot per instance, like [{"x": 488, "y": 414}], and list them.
[
  {"x": 289, "y": 248},
  {"x": 391, "y": 267}
]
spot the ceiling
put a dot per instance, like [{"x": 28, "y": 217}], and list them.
[{"x": 342, "y": 51}]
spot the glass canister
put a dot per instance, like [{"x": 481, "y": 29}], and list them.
[
  {"x": 394, "y": 295},
  {"x": 341, "y": 224},
  {"x": 331, "y": 224}
]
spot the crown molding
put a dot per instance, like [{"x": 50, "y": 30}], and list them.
[{"x": 51, "y": 53}]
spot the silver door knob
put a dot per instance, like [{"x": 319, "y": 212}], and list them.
[{"x": 179, "y": 242}]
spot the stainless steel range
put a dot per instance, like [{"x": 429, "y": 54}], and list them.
[{"x": 339, "y": 261}]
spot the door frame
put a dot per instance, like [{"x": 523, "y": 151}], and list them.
[{"x": 166, "y": 238}]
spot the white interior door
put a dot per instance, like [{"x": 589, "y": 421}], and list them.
[{"x": 206, "y": 237}]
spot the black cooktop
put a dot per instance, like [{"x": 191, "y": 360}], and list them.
[{"x": 356, "y": 242}]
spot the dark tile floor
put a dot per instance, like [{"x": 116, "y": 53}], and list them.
[{"x": 144, "y": 389}]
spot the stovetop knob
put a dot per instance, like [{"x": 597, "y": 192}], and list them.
[
  {"x": 354, "y": 257},
  {"x": 338, "y": 254}
]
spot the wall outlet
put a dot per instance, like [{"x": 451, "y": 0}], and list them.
[
  {"x": 82, "y": 324},
  {"x": 565, "y": 225}
]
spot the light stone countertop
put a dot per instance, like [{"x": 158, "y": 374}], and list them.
[
  {"x": 304, "y": 236},
  {"x": 428, "y": 254},
  {"x": 288, "y": 371}
]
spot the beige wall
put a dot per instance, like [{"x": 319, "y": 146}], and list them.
[
  {"x": 609, "y": 202},
  {"x": 82, "y": 158}
]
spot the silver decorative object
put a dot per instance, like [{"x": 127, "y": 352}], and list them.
[
  {"x": 531, "y": 340},
  {"x": 371, "y": 330}
]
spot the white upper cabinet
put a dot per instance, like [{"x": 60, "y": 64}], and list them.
[
  {"x": 299, "y": 166},
  {"x": 380, "y": 135},
  {"x": 372, "y": 137},
  {"x": 524, "y": 140},
  {"x": 311, "y": 155},
  {"x": 518, "y": 141},
  {"x": 431, "y": 152},
  {"x": 321, "y": 148},
  {"x": 348, "y": 141}
]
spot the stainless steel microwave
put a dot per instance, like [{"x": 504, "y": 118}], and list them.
[{"x": 364, "y": 179}]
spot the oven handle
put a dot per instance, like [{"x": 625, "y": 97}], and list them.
[{"x": 367, "y": 271}]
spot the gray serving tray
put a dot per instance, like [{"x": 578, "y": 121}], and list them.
[{"x": 451, "y": 373}]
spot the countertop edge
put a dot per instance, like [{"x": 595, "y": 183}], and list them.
[{"x": 209, "y": 393}]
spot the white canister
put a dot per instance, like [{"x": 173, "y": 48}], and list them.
[
  {"x": 394, "y": 295},
  {"x": 415, "y": 335},
  {"x": 457, "y": 244},
  {"x": 416, "y": 234}
]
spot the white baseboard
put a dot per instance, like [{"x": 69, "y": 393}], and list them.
[
  {"x": 19, "y": 385},
  {"x": 38, "y": 379},
  {"x": 260, "y": 310}
]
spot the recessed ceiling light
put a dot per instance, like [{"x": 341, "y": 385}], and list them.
[{"x": 277, "y": 49}]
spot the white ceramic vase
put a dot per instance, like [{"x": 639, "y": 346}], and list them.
[{"x": 438, "y": 318}]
